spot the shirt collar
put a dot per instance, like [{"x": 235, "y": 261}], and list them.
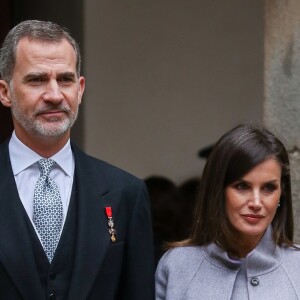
[{"x": 22, "y": 157}]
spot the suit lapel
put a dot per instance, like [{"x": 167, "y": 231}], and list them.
[
  {"x": 16, "y": 253},
  {"x": 93, "y": 239}
]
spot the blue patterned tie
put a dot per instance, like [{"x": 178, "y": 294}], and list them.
[{"x": 47, "y": 209}]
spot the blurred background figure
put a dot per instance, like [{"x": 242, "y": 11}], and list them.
[
  {"x": 188, "y": 191},
  {"x": 164, "y": 199}
]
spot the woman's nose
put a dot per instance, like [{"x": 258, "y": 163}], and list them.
[{"x": 256, "y": 200}]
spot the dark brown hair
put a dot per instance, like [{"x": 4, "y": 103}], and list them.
[{"x": 234, "y": 155}]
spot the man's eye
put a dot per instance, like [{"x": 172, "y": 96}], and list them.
[
  {"x": 66, "y": 79},
  {"x": 241, "y": 186},
  {"x": 36, "y": 80}
]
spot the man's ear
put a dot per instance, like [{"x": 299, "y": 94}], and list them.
[
  {"x": 81, "y": 88},
  {"x": 5, "y": 94}
]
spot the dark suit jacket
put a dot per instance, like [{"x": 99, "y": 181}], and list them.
[{"x": 102, "y": 269}]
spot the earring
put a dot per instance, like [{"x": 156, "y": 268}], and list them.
[{"x": 278, "y": 203}]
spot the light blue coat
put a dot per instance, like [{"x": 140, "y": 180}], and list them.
[{"x": 269, "y": 272}]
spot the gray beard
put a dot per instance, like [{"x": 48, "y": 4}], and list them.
[{"x": 54, "y": 127}]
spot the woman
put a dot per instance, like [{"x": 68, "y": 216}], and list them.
[{"x": 241, "y": 246}]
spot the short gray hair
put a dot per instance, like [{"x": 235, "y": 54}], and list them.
[{"x": 43, "y": 31}]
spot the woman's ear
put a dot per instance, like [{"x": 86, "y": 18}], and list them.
[{"x": 5, "y": 94}]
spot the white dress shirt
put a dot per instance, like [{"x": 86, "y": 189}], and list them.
[{"x": 26, "y": 170}]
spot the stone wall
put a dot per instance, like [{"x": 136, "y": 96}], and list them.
[{"x": 282, "y": 84}]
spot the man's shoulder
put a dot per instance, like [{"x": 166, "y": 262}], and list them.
[
  {"x": 4, "y": 145},
  {"x": 4, "y": 154}
]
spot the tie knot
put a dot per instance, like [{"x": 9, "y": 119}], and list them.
[{"x": 46, "y": 166}]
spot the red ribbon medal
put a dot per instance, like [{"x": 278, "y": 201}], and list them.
[{"x": 110, "y": 223}]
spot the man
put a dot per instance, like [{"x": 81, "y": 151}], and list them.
[{"x": 71, "y": 226}]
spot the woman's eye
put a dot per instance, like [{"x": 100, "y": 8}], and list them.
[
  {"x": 270, "y": 187},
  {"x": 241, "y": 186}
]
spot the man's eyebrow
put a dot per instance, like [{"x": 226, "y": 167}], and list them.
[
  {"x": 71, "y": 75},
  {"x": 44, "y": 75},
  {"x": 34, "y": 75}
]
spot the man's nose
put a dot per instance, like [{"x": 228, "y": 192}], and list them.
[{"x": 53, "y": 92}]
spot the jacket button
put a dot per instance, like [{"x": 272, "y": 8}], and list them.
[
  {"x": 52, "y": 297},
  {"x": 254, "y": 281},
  {"x": 52, "y": 275}
]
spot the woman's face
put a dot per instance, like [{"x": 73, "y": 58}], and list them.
[{"x": 252, "y": 201}]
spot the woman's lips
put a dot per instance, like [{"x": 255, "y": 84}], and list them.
[{"x": 253, "y": 219}]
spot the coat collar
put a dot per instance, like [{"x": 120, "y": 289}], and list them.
[{"x": 263, "y": 259}]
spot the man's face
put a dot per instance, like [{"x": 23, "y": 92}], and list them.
[{"x": 44, "y": 92}]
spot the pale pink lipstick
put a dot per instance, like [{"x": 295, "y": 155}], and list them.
[{"x": 252, "y": 218}]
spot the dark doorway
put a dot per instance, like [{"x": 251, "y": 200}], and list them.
[{"x": 6, "y": 125}]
